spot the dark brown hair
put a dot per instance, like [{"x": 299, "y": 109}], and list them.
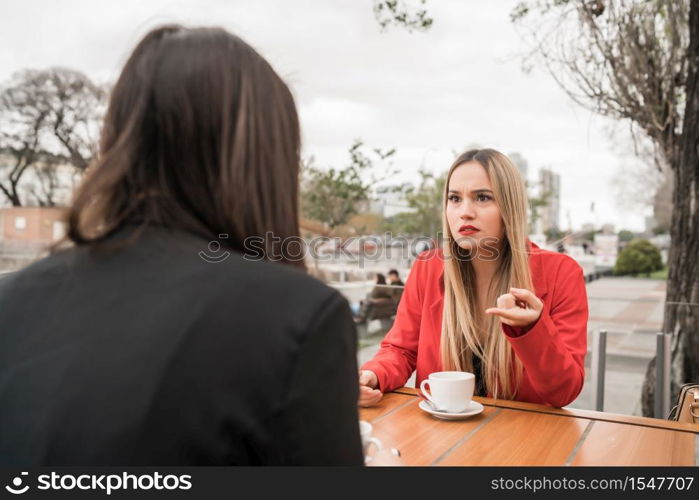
[{"x": 201, "y": 135}]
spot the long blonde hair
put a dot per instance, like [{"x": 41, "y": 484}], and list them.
[{"x": 466, "y": 331}]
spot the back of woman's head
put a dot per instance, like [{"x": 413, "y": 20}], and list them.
[{"x": 200, "y": 135}]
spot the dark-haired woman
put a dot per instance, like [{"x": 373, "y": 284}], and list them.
[{"x": 154, "y": 339}]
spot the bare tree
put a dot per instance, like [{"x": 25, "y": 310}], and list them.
[
  {"x": 77, "y": 105},
  {"x": 625, "y": 59},
  {"x": 23, "y": 117},
  {"x": 637, "y": 61},
  {"x": 639, "y": 180},
  {"x": 46, "y": 185},
  {"x": 46, "y": 116}
]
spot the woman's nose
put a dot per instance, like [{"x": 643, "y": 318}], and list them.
[{"x": 467, "y": 210}]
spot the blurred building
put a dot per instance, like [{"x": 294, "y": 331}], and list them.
[
  {"x": 606, "y": 250},
  {"x": 650, "y": 224},
  {"x": 550, "y": 186},
  {"x": 389, "y": 205},
  {"x": 30, "y": 230},
  {"x": 521, "y": 163},
  {"x": 608, "y": 229}
]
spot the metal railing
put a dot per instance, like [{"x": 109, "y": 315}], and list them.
[
  {"x": 662, "y": 372},
  {"x": 598, "y": 367}
]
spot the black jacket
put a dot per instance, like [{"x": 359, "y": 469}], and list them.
[{"x": 151, "y": 355}]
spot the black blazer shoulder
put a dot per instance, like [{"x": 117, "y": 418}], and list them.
[{"x": 151, "y": 355}]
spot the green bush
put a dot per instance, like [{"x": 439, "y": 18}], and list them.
[
  {"x": 639, "y": 256},
  {"x": 625, "y": 235}
]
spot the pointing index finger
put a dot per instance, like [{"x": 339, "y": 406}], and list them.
[{"x": 526, "y": 295}]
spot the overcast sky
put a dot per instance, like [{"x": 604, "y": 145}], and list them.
[{"x": 426, "y": 94}]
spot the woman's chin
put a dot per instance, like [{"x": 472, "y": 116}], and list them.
[{"x": 466, "y": 242}]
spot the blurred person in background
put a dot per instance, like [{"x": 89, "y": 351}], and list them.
[{"x": 394, "y": 278}]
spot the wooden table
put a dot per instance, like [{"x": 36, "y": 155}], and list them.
[{"x": 515, "y": 433}]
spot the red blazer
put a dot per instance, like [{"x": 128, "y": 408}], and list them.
[{"x": 552, "y": 351}]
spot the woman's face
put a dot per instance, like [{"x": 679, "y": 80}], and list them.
[{"x": 473, "y": 216}]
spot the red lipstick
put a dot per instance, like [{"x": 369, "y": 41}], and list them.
[{"x": 468, "y": 229}]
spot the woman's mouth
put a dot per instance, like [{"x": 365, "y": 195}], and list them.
[{"x": 467, "y": 230}]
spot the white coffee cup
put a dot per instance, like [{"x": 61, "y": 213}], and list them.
[
  {"x": 449, "y": 391},
  {"x": 365, "y": 430}
]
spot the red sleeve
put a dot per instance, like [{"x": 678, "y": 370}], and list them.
[
  {"x": 396, "y": 359},
  {"x": 553, "y": 350}
]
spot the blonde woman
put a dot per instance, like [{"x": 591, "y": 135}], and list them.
[{"x": 490, "y": 302}]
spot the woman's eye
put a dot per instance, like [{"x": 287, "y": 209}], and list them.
[
  {"x": 453, "y": 197},
  {"x": 483, "y": 197}
]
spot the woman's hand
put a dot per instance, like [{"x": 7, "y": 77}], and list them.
[
  {"x": 519, "y": 308},
  {"x": 369, "y": 395}
]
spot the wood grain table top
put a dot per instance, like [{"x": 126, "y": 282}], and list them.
[{"x": 515, "y": 433}]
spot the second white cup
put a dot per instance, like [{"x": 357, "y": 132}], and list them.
[
  {"x": 449, "y": 391},
  {"x": 365, "y": 430}
]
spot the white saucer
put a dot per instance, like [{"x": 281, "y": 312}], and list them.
[{"x": 475, "y": 409}]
